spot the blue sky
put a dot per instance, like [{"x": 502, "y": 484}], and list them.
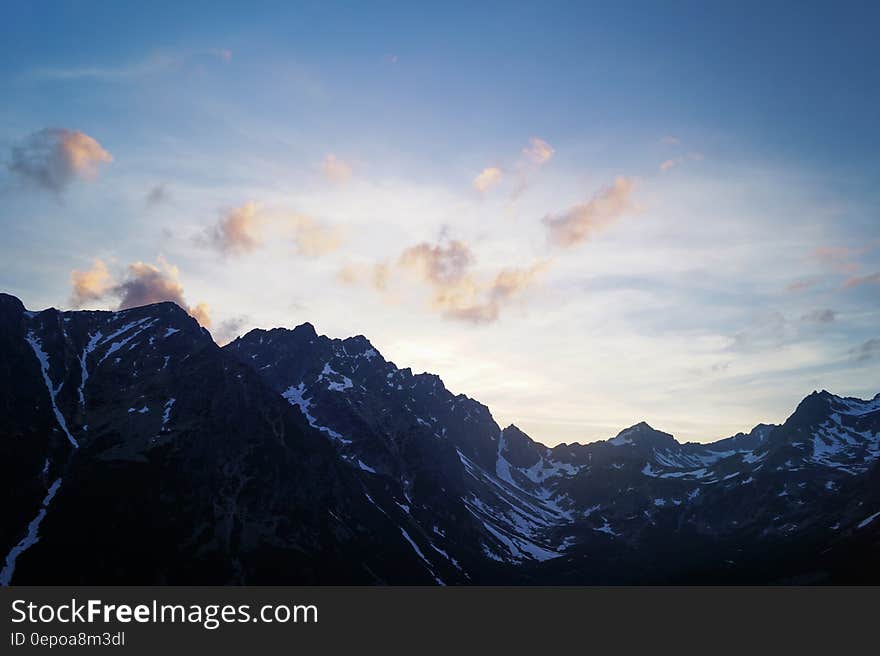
[{"x": 582, "y": 215}]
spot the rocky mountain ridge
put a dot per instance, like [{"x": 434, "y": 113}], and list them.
[{"x": 138, "y": 451}]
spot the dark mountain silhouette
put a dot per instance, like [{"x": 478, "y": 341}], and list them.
[{"x": 137, "y": 451}]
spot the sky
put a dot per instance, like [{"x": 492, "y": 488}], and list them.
[{"x": 582, "y": 215}]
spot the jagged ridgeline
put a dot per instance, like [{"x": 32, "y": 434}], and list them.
[{"x": 137, "y": 451}]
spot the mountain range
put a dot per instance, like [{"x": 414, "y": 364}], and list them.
[{"x": 135, "y": 450}]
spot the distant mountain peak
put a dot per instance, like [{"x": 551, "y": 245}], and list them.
[{"x": 641, "y": 433}]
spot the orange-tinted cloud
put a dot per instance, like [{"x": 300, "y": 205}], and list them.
[
  {"x": 438, "y": 264},
  {"x": 858, "y": 281},
  {"x": 376, "y": 275},
  {"x": 538, "y": 151},
  {"x": 581, "y": 222},
  {"x": 801, "y": 285},
  {"x": 143, "y": 284},
  {"x": 313, "y": 238},
  {"x": 457, "y": 291},
  {"x": 54, "y": 157},
  {"x": 335, "y": 169},
  {"x": 201, "y": 313},
  {"x": 677, "y": 161},
  {"x": 488, "y": 178},
  {"x": 238, "y": 231},
  {"x": 482, "y": 304},
  {"x": 90, "y": 285},
  {"x": 839, "y": 258}
]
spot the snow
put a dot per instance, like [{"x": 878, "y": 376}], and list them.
[
  {"x": 369, "y": 354},
  {"x": 332, "y": 385},
  {"x": 606, "y": 528},
  {"x": 43, "y": 358},
  {"x": 366, "y": 467},
  {"x": 868, "y": 520},
  {"x": 659, "y": 502},
  {"x": 93, "y": 343},
  {"x": 420, "y": 555},
  {"x": 170, "y": 331},
  {"x": 446, "y": 556},
  {"x": 166, "y": 415},
  {"x": 296, "y": 396},
  {"x": 30, "y": 539},
  {"x": 144, "y": 323},
  {"x": 502, "y": 467}
]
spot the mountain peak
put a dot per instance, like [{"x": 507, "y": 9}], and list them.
[
  {"x": 641, "y": 434},
  {"x": 10, "y": 303}
]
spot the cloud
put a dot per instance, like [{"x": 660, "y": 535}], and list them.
[
  {"x": 238, "y": 231},
  {"x": 858, "y": 281},
  {"x": 840, "y": 258},
  {"x": 335, "y": 169},
  {"x": 488, "y": 178},
  {"x": 768, "y": 331},
  {"x": 90, "y": 285},
  {"x": 456, "y": 291},
  {"x": 801, "y": 285},
  {"x": 54, "y": 157},
  {"x": 438, "y": 264},
  {"x": 677, "y": 161},
  {"x": 152, "y": 65},
  {"x": 505, "y": 286},
  {"x": 446, "y": 271},
  {"x": 223, "y": 54},
  {"x": 867, "y": 350},
  {"x": 312, "y": 237},
  {"x": 229, "y": 329},
  {"x": 538, "y": 151},
  {"x": 820, "y": 316},
  {"x": 157, "y": 195},
  {"x": 376, "y": 275},
  {"x": 143, "y": 284},
  {"x": 581, "y": 222},
  {"x": 201, "y": 313},
  {"x": 146, "y": 284}
]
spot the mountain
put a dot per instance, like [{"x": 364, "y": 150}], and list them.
[{"x": 135, "y": 450}]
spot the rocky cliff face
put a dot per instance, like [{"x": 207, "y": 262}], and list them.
[{"x": 135, "y": 450}]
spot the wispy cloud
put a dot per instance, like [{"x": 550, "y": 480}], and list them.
[
  {"x": 820, "y": 316},
  {"x": 840, "y": 258},
  {"x": 336, "y": 169},
  {"x": 157, "y": 195},
  {"x": 538, "y": 151},
  {"x": 229, "y": 329},
  {"x": 801, "y": 285},
  {"x": 858, "y": 281},
  {"x": 313, "y": 238},
  {"x": 153, "y": 65},
  {"x": 54, "y": 157},
  {"x": 867, "y": 350},
  {"x": 669, "y": 164},
  {"x": 488, "y": 178},
  {"x": 581, "y": 222},
  {"x": 375, "y": 275}
]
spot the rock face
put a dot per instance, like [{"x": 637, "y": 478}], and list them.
[{"x": 135, "y": 450}]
